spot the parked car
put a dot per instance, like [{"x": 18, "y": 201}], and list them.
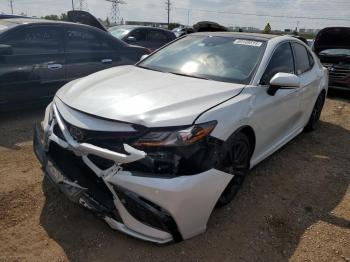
[
  {"x": 146, "y": 36},
  {"x": 153, "y": 148},
  {"x": 181, "y": 31},
  {"x": 6, "y": 16},
  {"x": 332, "y": 45},
  {"x": 38, "y": 57}
]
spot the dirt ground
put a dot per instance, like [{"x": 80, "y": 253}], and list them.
[{"x": 294, "y": 206}]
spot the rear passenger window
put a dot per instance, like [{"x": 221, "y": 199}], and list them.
[
  {"x": 139, "y": 34},
  {"x": 282, "y": 61},
  {"x": 311, "y": 60},
  {"x": 83, "y": 40},
  {"x": 35, "y": 40},
  {"x": 155, "y": 35},
  {"x": 302, "y": 57}
]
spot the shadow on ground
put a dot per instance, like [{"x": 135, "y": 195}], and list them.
[
  {"x": 16, "y": 127},
  {"x": 283, "y": 196}
]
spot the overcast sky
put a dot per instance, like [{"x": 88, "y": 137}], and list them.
[{"x": 226, "y": 12}]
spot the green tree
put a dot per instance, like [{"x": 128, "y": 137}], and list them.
[
  {"x": 51, "y": 17},
  {"x": 64, "y": 17},
  {"x": 267, "y": 29}
]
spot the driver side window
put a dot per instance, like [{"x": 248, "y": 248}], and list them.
[{"x": 282, "y": 61}]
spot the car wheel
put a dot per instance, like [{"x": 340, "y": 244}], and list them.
[
  {"x": 315, "y": 114},
  {"x": 235, "y": 161}
]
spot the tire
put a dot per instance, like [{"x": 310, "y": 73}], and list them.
[
  {"x": 236, "y": 161},
  {"x": 315, "y": 114}
]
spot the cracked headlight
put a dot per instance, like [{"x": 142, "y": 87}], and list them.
[{"x": 182, "y": 137}]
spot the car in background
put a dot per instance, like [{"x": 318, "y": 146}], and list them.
[
  {"x": 6, "y": 16},
  {"x": 153, "y": 148},
  {"x": 37, "y": 57},
  {"x": 332, "y": 45},
  {"x": 310, "y": 42},
  {"x": 149, "y": 37},
  {"x": 181, "y": 31}
]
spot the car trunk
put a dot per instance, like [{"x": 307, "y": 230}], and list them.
[{"x": 82, "y": 17}]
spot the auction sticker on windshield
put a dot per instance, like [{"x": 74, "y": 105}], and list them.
[{"x": 247, "y": 42}]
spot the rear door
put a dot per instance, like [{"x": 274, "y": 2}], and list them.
[
  {"x": 89, "y": 50},
  {"x": 157, "y": 38},
  {"x": 35, "y": 69},
  {"x": 140, "y": 37},
  {"x": 310, "y": 80}
]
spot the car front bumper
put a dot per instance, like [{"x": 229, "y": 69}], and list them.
[{"x": 159, "y": 210}]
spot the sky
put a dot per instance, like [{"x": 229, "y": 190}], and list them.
[{"x": 243, "y": 13}]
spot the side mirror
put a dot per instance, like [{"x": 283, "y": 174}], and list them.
[
  {"x": 6, "y": 50},
  {"x": 283, "y": 80},
  {"x": 144, "y": 57},
  {"x": 130, "y": 39}
]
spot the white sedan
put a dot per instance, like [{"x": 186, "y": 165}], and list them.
[{"x": 153, "y": 148}]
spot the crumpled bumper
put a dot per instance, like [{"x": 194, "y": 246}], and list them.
[{"x": 159, "y": 210}]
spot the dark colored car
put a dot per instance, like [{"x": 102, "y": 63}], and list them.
[
  {"x": 6, "y": 16},
  {"x": 149, "y": 37},
  {"x": 37, "y": 57},
  {"x": 332, "y": 45}
]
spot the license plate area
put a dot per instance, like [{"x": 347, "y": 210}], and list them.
[{"x": 70, "y": 189}]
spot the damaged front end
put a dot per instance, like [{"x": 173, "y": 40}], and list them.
[{"x": 143, "y": 182}]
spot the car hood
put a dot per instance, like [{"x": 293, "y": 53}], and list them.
[
  {"x": 332, "y": 38},
  {"x": 140, "y": 96}
]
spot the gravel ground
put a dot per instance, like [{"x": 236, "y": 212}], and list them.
[{"x": 294, "y": 206}]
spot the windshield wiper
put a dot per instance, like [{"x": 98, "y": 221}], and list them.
[{"x": 194, "y": 76}]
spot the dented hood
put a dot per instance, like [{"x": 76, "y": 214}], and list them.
[
  {"x": 332, "y": 38},
  {"x": 145, "y": 97}
]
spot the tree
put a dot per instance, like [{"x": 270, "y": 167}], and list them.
[
  {"x": 51, "y": 17},
  {"x": 64, "y": 17},
  {"x": 267, "y": 29}
]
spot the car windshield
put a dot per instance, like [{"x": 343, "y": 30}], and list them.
[
  {"x": 335, "y": 52},
  {"x": 226, "y": 59},
  {"x": 119, "y": 32}
]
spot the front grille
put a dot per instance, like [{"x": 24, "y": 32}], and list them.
[
  {"x": 75, "y": 169},
  {"x": 338, "y": 73}
]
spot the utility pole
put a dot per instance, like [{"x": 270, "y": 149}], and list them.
[
  {"x": 11, "y": 5},
  {"x": 168, "y": 4},
  {"x": 188, "y": 17},
  {"x": 115, "y": 11},
  {"x": 72, "y": 4}
]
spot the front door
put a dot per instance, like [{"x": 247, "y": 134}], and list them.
[{"x": 276, "y": 116}]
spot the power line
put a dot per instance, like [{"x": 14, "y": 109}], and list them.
[{"x": 265, "y": 15}]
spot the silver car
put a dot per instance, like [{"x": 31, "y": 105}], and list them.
[{"x": 153, "y": 148}]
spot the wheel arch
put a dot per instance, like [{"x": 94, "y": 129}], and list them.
[{"x": 249, "y": 132}]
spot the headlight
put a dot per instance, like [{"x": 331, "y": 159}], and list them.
[
  {"x": 48, "y": 117},
  {"x": 183, "y": 137}
]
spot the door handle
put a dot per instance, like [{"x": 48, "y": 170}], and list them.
[
  {"x": 107, "y": 60},
  {"x": 54, "y": 66}
]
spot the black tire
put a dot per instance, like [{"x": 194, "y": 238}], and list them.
[
  {"x": 236, "y": 161},
  {"x": 315, "y": 114}
]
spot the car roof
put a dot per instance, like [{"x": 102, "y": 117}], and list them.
[
  {"x": 139, "y": 26},
  {"x": 239, "y": 34},
  {"x": 25, "y": 21}
]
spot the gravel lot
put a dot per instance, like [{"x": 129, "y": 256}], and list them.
[{"x": 294, "y": 206}]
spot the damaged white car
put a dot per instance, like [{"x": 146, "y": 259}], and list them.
[{"x": 153, "y": 148}]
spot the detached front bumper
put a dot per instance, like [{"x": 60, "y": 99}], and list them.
[{"x": 159, "y": 210}]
